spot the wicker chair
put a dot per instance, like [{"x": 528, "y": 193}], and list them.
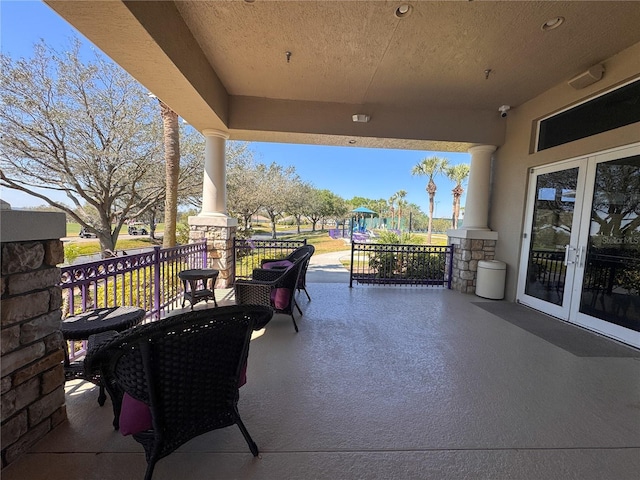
[
  {"x": 292, "y": 257},
  {"x": 185, "y": 370},
  {"x": 273, "y": 287}
]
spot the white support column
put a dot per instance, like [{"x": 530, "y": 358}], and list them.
[
  {"x": 212, "y": 223},
  {"x": 214, "y": 185},
  {"x": 474, "y": 241},
  {"x": 476, "y": 208}
]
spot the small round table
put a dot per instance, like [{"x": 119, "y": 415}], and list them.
[
  {"x": 91, "y": 322},
  {"x": 198, "y": 281}
]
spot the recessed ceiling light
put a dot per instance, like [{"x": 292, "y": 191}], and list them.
[
  {"x": 552, "y": 23},
  {"x": 403, "y": 10},
  {"x": 352, "y": 142}
]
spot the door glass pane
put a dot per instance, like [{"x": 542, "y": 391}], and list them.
[
  {"x": 611, "y": 285},
  {"x": 550, "y": 233}
]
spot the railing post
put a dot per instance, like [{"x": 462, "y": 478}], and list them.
[
  {"x": 451, "y": 247},
  {"x": 156, "y": 281},
  {"x": 351, "y": 266},
  {"x": 204, "y": 254}
]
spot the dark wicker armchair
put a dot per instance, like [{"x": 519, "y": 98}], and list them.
[
  {"x": 292, "y": 257},
  {"x": 273, "y": 287},
  {"x": 182, "y": 373}
]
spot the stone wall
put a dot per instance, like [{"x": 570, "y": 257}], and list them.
[
  {"x": 219, "y": 236},
  {"x": 466, "y": 255},
  {"x": 32, "y": 392}
]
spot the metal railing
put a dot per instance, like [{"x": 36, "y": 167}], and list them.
[
  {"x": 148, "y": 280},
  {"x": 249, "y": 253},
  {"x": 392, "y": 264}
]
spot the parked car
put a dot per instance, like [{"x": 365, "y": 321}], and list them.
[
  {"x": 137, "y": 229},
  {"x": 84, "y": 233}
]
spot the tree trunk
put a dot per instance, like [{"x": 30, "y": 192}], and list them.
[
  {"x": 431, "y": 190},
  {"x": 172, "y": 167}
]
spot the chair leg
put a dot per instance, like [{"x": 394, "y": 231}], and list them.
[
  {"x": 307, "y": 293},
  {"x": 245, "y": 433},
  {"x": 150, "y": 466},
  {"x": 295, "y": 325},
  {"x": 297, "y": 306}
]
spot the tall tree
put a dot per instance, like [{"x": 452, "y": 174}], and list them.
[
  {"x": 430, "y": 167},
  {"x": 275, "y": 201},
  {"x": 245, "y": 181},
  {"x": 400, "y": 196},
  {"x": 84, "y": 129},
  {"x": 457, "y": 173},
  {"x": 171, "y": 137}
]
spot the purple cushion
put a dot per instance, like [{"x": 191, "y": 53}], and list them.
[
  {"x": 280, "y": 298},
  {"x": 277, "y": 264},
  {"x": 135, "y": 416},
  {"x": 243, "y": 375}
]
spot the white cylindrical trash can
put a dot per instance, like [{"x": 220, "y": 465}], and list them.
[{"x": 490, "y": 280}]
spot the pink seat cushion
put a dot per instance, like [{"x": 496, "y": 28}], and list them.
[
  {"x": 277, "y": 264},
  {"x": 135, "y": 416},
  {"x": 280, "y": 298}
]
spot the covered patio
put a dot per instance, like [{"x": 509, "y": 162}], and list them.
[
  {"x": 379, "y": 383},
  {"x": 399, "y": 383}
]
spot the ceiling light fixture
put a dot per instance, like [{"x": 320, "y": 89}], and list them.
[
  {"x": 552, "y": 23},
  {"x": 403, "y": 10},
  {"x": 360, "y": 117},
  {"x": 352, "y": 142}
]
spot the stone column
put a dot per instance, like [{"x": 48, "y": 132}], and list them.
[
  {"x": 33, "y": 399},
  {"x": 474, "y": 241},
  {"x": 212, "y": 223}
]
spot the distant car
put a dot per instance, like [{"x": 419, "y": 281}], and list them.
[
  {"x": 86, "y": 234},
  {"x": 137, "y": 229}
]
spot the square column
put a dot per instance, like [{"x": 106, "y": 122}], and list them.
[
  {"x": 33, "y": 399},
  {"x": 219, "y": 231}
]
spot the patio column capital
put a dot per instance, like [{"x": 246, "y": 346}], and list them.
[
  {"x": 214, "y": 184},
  {"x": 213, "y": 132},
  {"x": 476, "y": 208}
]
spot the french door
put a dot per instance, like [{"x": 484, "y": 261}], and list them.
[{"x": 581, "y": 244}]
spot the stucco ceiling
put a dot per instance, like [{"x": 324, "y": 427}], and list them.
[{"x": 422, "y": 78}]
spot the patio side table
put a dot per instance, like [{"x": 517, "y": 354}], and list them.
[
  {"x": 198, "y": 281},
  {"x": 91, "y": 322}
]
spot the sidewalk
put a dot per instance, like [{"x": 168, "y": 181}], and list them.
[{"x": 326, "y": 268}]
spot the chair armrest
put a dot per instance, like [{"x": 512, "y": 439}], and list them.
[
  {"x": 267, "y": 274},
  {"x": 252, "y": 292},
  {"x": 268, "y": 260}
]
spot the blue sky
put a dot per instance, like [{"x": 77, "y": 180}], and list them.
[{"x": 346, "y": 171}]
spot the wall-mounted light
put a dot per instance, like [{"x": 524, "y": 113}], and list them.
[
  {"x": 591, "y": 76},
  {"x": 360, "y": 118}
]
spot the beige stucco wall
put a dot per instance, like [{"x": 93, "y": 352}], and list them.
[{"x": 513, "y": 159}]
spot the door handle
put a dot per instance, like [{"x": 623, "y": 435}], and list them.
[{"x": 567, "y": 249}]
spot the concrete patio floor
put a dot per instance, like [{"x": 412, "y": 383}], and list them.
[{"x": 391, "y": 383}]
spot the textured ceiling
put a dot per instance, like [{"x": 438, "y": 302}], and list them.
[
  {"x": 223, "y": 64},
  {"x": 358, "y": 52}
]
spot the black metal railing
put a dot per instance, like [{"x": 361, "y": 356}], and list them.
[
  {"x": 248, "y": 253},
  {"x": 392, "y": 264},
  {"x": 547, "y": 268}
]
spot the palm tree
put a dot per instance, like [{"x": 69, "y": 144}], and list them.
[
  {"x": 430, "y": 167},
  {"x": 458, "y": 173},
  {"x": 400, "y": 195},
  {"x": 392, "y": 200},
  {"x": 171, "y": 134}
]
